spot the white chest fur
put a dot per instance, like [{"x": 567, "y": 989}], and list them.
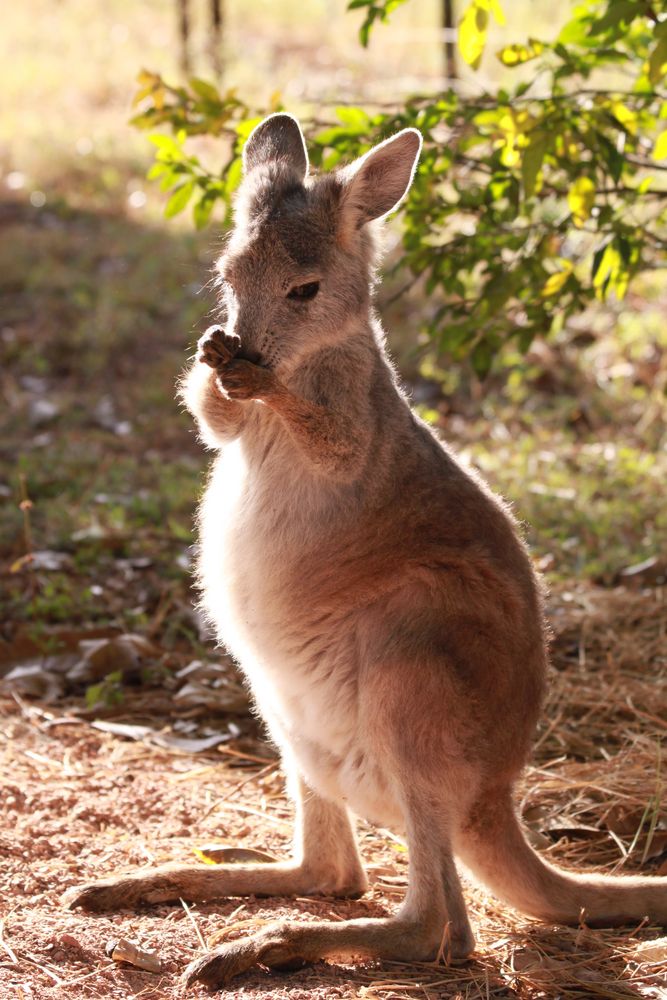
[{"x": 303, "y": 673}]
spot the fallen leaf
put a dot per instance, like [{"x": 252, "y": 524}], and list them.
[
  {"x": 228, "y": 698},
  {"x": 101, "y": 657},
  {"x": 651, "y": 951},
  {"x": 161, "y": 739},
  {"x": 218, "y": 854},
  {"x": 32, "y": 681}
]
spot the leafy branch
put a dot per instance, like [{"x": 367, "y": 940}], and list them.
[{"x": 528, "y": 205}]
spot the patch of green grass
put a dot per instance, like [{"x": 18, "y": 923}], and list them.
[
  {"x": 57, "y": 601},
  {"x": 589, "y": 509}
]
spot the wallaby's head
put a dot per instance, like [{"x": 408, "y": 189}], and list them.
[{"x": 296, "y": 271}]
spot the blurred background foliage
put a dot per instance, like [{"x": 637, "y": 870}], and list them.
[
  {"x": 531, "y": 199},
  {"x": 523, "y": 291}
]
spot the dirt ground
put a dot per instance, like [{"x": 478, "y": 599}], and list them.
[{"x": 78, "y": 801}]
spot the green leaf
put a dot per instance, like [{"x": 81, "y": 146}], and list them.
[
  {"x": 473, "y": 27},
  {"x": 618, "y": 12},
  {"x": 244, "y": 128},
  {"x": 233, "y": 175},
  {"x": 179, "y": 199},
  {"x": 625, "y": 116},
  {"x": 158, "y": 168},
  {"x": 581, "y": 198},
  {"x": 109, "y": 691},
  {"x": 532, "y": 160},
  {"x": 205, "y": 90},
  {"x": 496, "y": 10},
  {"x": 356, "y": 119},
  {"x": 556, "y": 281},
  {"x": 167, "y": 145},
  {"x": 516, "y": 55},
  {"x": 607, "y": 268},
  {"x": 481, "y": 358},
  {"x": 660, "y": 148},
  {"x": 657, "y": 64},
  {"x": 574, "y": 33},
  {"x": 375, "y": 10},
  {"x": 203, "y": 208},
  {"x": 328, "y": 136}
]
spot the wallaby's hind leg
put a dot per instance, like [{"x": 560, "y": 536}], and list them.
[
  {"x": 433, "y": 917},
  {"x": 326, "y": 861}
]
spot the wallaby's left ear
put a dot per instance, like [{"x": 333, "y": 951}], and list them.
[
  {"x": 376, "y": 183},
  {"x": 277, "y": 138}
]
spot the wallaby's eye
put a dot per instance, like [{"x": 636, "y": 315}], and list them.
[{"x": 304, "y": 292}]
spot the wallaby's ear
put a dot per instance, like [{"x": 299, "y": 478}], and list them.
[
  {"x": 377, "y": 182},
  {"x": 278, "y": 137}
]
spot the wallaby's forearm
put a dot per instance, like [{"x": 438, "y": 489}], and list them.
[
  {"x": 331, "y": 440},
  {"x": 219, "y": 418}
]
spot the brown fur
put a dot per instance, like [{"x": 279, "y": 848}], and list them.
[{"x": 375, "y": 592}]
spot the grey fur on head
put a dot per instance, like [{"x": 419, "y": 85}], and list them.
[{"x": 291, "y": 230}]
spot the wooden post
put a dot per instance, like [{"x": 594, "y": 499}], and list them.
[
  {"x": 184, "y": 35},
  {"x": 449, "y": 38},
  {"x": 215, "y": 46}
]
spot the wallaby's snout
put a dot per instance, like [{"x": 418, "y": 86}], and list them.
[
  {"x": 253, "y": 337},
  {"x": 247, "y": 310}
]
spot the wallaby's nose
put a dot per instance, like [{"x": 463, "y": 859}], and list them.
[
  {"x": 248, "y": 354},
  {"x": 249, "y": 328}
]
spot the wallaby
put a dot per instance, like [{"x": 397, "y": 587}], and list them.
[{"x": 375, "y": 593}]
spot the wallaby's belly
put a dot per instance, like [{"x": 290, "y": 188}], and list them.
[{"x": 302, "y": 664}]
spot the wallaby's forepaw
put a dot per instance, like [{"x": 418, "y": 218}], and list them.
[
  {"x": 216, "y": 348},
  {"x": 240, "y": 379},
  {"x": 273, "y": 948}
]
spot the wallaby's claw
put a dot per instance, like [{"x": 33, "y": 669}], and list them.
[
  {"x": 270, "y": 948},
  {"x": 97, "y": 896},
  {"x": 216, "y": 348}
]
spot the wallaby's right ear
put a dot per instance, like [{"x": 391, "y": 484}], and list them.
[
  {"x": 279, "y": 138},
  {"x": 376, "y": 183}
]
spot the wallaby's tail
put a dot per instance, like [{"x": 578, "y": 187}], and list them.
[{"x": 492, "y": 845}]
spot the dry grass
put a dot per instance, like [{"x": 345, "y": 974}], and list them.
[{"x": 77, "y": 802}]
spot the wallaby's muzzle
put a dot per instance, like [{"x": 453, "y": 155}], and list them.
[
  {"x": 247, "y": 354},
  {"x": 249, "y": 325}
]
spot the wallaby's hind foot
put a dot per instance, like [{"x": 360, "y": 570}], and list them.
[
  {"x": 431, "y": 924},
  {"x": 126, "y": 892},
  {"x": 196, "y": 883},
  {"x": 289, "y": 946},
  {"x": 327, "y": 863}
]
